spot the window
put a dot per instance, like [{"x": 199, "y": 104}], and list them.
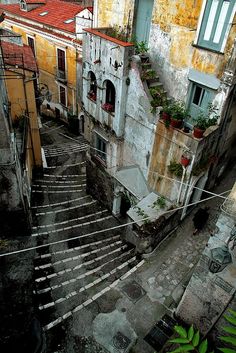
[
  {"x": 199, "y": 99},
  {"x": 43, "y": 13},
  {"x": 216, "y": 23},
  {"x": 62, "y": 95},
  {"x": 110, "y": 97},
  {"x": 61, "y": 64},
  {"x": 31, "y": 43},
  {"x": 92, "y": 94},
  {"x": 101, "y": 147}
]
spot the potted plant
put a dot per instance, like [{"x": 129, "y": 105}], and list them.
[
  {"x": 175, "y": 168},
  {"x": 202, "y": 122},
  {"x": 92, "y": 95},
  {"x": 108, "y": 107},
  {"x": 178, "y": 114},
  {"x": 166, "y": 111},
  {"x": 185, "y": 160}
]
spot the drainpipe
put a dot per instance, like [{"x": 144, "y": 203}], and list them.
[
  {"x": 181, "y": 185},
  {"x": 188, "y": 188}
]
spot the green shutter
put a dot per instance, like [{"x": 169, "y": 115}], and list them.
[{"x": 210, "y": 42}]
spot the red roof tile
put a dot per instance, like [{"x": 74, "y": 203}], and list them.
[
  {"x": 35, "y": 1},
  {"x": 98, "y": 33},
  {"x": 58, "y": 12},
  {"x": 22, "y": 56}
]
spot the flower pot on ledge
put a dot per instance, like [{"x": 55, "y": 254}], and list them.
[
  {"x": 197, "y": 132},
  {"x": 176, "y": 123},
  {"x": 108, "y": 107},
  {"x": 185, "y": 161}
]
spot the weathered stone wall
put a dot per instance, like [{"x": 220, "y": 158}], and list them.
[{"x": 99, "y": 183}]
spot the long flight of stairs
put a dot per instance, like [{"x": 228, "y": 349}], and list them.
[{"x": 78, "y": 260}]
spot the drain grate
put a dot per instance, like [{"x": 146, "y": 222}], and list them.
[
  {"x": 120, "y": 341},
  {"x": 133, "y": 290},
  {"x": 161, "y": 332}
]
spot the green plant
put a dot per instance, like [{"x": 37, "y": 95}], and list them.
[
  {"x": 175, "y": 168},
  {"x": 179, "y": 112},
  {"x": 231, "y": 332},
  {"x": 203, "y": 121},
  {"x": 148, "y": 74},
  {"x": 140, "y": 47},
  {"x": 159, "y": 203},
  {"x": 141, "y": 212},
  {"x": 189, "y": 340},
  {"x": 118, "y": 33}
]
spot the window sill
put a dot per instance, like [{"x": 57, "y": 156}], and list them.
[
  {"x": 92, "y": 100},
  {"x": 207, "y": 49},
  {"x": 108, "y": 111}
]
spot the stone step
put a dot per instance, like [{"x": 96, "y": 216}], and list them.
[
  {"x": 69, "y": 226},
  {"x": 70, "y": 279},
  {"x": 155, "y": 84},
  {"x": 61, "y": 214},
  {"x": 71, "y": 262},
  {"x": 42, "y": 259},
  {"x": 58, "y": 207},
  {"x": 85, "y": 299},
  {"x": 70, "y": 168},
  {"x": 146, "y": 65}
]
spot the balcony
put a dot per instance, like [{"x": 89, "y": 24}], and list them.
[{"x": 61, "y": 75}]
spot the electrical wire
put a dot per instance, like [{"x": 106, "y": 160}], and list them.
[{"x": 106, "y": 229}]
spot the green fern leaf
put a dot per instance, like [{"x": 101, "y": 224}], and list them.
[
  {"x": 190, "y": 333},
  {"x": 227, "y": 339},
  {"x": 233, "y": 312},
  {"x": 196, "y": 338},
  {"x": 230, "y": 319},
  {"x": 179, "y": 340},
  {"x": 229, "y": 329},
  {"x": 203, "y": 346},
  {"x": 181, "y": 331},
  {"x": 183, "y": 348},
  {"x": 227, "y": 350}
]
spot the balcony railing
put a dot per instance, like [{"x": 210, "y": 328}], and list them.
[{"x": 61, "y": 75}]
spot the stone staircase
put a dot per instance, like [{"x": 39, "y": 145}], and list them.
[
  {"x": 153, "y": 87},
  {"x": 83, "y": 260}
]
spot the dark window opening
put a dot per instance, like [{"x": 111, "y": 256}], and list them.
[
  {"x": 62, "y": 92},
  {"x": 31, "y": 44},
  {"x": 110, "y": 97},
  {"x": 101, "y": 148},
  {"x": 92, "y": 87},
  {"x": 61, "y": 65}
]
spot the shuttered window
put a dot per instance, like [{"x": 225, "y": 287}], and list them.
[{"x": 216, "y": 23}]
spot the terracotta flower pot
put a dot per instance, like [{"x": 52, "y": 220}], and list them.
[
  {"x": 165, "y": 116},
  {"x": 198, "y": 133},
  {"x": 185, "y": 161},
  {"x": 176, "y": 123}
]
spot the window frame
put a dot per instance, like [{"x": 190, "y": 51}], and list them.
[
  {"x": 202, "y": 109},
  {"x": 203, "y": 21},
  {"x": 59, "y": 94},
  {"x": 32, "y": 38},
  {"x": 65, "y": 63},
  {"x": 103, "y": 154}
]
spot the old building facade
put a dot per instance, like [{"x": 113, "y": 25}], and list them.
[
  {"x": 53, "y": 30},
  {"x": 21, "y": 150},
  {"x": 191, "y": 59}
]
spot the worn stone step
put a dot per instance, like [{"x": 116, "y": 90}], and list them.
[
  {"x": 67, "y": 284},
  {"x": 70, "y": 227},
  {"x": 58, "y": 207},
  {"x": 69, "y": 169},
  {"x": 155, "y": 84},
  {"x": 73, "y": 306}
]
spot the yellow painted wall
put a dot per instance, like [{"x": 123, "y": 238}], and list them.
[
  {"x": 46, "y": 56},
  {"x": 23, "y": 99}
]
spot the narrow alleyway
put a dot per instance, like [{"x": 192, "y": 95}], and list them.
[
  {"x": 70, "y": 275},
  {"x": 92, "y": 292}
]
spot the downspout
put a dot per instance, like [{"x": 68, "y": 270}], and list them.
[
  {"x": 188, "y": 188},
  {"x": 181, "y": 184}
]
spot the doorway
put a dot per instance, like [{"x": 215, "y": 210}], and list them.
[{"x": 143, "y": 19}]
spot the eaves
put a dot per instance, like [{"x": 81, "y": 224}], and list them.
[{"x": 46, "y": 31}]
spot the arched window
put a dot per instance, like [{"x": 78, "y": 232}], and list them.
[
  {"x": 92, "y": 94},
  {"x": 110, "y": 97}
]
